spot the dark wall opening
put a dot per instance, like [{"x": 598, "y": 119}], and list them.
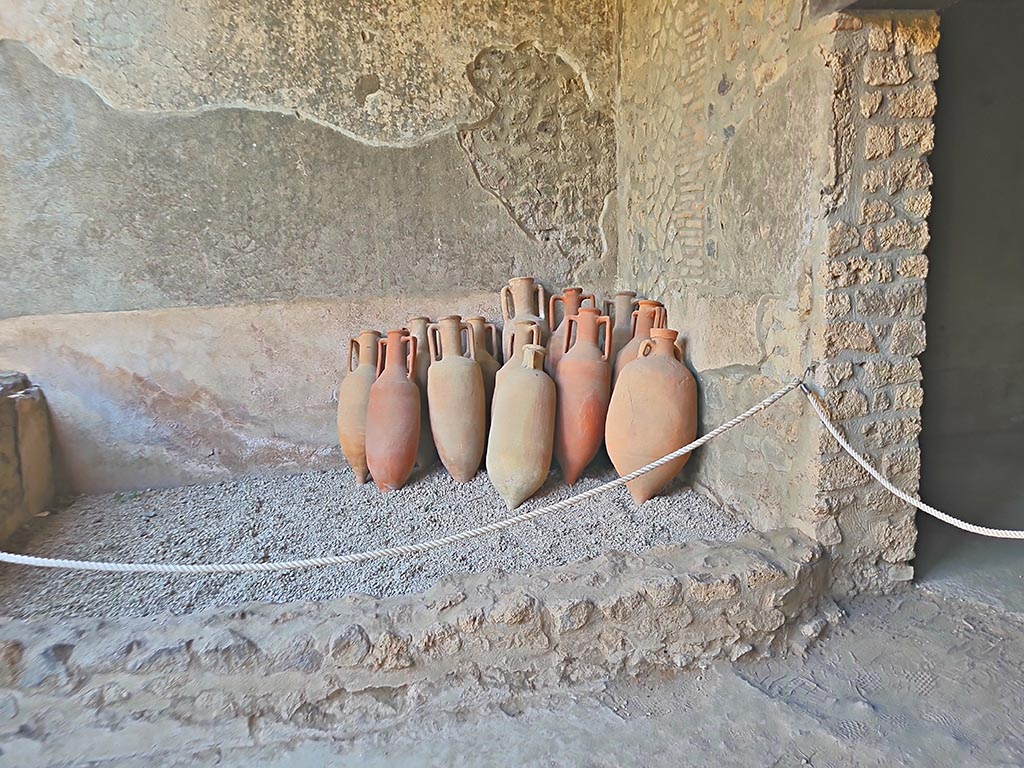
[{"x": 972, "y": 443}]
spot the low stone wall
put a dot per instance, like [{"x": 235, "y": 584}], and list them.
[
  {"x": 26, "y": 456},
  {"x": 223, "y": 677}
]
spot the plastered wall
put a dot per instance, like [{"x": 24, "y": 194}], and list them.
[{"x": 205, "y": 201}]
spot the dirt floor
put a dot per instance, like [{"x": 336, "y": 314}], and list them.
[
  {"x": 916, "y": 680},
  {"x": 319, "y": 513}
]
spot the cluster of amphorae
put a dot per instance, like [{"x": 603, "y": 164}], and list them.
[{"x": 612, "y": 375}]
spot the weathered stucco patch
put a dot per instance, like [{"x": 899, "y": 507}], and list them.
[
  {"x": 109, "y": 210},
  {"x": 182, "y": 396},
  {"x": 315, "y": 57},
  {"x": 545, "y": 151}
]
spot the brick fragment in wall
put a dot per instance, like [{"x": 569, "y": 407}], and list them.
[
  {"x": 913, "y": 266},
  {"x": 846, "y": 23},
  {"x": 847, "y": 404},
  {"x": 880, "y": 35},
  {"x": 918, "y": 205},
  {"x": 891, "y": 432},
  {"x": 913, "y": 102},
  {"x": 916, "y": 34},
  {"x": 837, "y": 304},
  {"x": 880, "y": 141},
  {"x": 883, "y": 69},
  {"x": 892, "y": 301},
  {"x": 907, "y": 397},
  {"x": 870, "y": 102},
  {"x": 917, "y": 135},
  {"x": 875, "y": 211},
  {"x": 880, "y": 373},
  {"x": 854, "y": 271},
  {"x": 831, "y": 375},
  {"x": 908, "y": 337},
  {"x": 846, "y": 335},
  {"x": 842, "y": 238}
]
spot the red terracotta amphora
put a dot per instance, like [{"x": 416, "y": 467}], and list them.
[
  {"x": 520, "y": 443},
  {"x": 571, "y": 300},
  {"x": 653, "y": 411},
  {"x": 485, "y": 340},
  {"x": 393, "y": 415},
  {"x": 584, "y": 383},
  {"x": 522, "y": 299},
  {"x": 426, "y": 455},
  {"x": 620, "y": 309},
  {"x": 648, "y": 314},
  {"x": 353, "y": 399},
  {"x": 455, "y": 395}
]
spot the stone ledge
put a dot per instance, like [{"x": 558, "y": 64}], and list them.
[{"x": 669, "y": 608}]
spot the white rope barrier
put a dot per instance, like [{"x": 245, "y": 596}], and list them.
[
  {"x": 995, "y": 533},
  {"x": 500, "y": 525}
]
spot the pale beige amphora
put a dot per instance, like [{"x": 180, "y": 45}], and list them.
[
  {"x": 456, "y": 398},
  {"x": 521, "y": 440}
]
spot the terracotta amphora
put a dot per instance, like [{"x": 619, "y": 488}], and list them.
[
  {"x": 353, "y": 398},
  {"x": 455, "y": 395},
  {"x": 649, "y": 314},
  {"x": 571, "y": 299},
  {"x": 522, "y": 299},
  {"x": 584, "y": 384},
  {"x": 620, "y": 309},
  {"x": 522, "y": 429},
  {"x": 653, "y": 412},
  {"x": 485, "y": 339},
  {"x": 426, "y": 455},
  {"x": 393, "y": 416},
  {"x": 524, "y": 332}
]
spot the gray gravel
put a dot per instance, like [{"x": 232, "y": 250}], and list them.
[{"x": 320, "y": 513}]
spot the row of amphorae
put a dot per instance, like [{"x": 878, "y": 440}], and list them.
[{"x": 612, "y": 375}]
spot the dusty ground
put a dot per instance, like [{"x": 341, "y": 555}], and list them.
[
  {"x": 915, "y": 680},
  {"x": 318, "y": 513}
]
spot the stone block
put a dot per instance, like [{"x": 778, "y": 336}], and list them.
[
  {"x": 876, "y": 211},
  {"x": 917, "y": 135},
  {"x": 870, "y": 103},
  {"x": 902, "y": 235},
  {"x": 909, "y": 396},
  {"x": 842, "y": 274},
  {"x": 880, "y": 141},
  {"x": 837, "y": 304},
  {"x": 918, "y": 205},
  {"x": 845, "y": 335},
  {"x": 913, "y": 102},
  {"x": 35, "y": 452},
  {"x": 842, "y": 238},
  {"x": 908, "y": 173},
  {"x": 887, "y": 302},
  {"x": 913, "y": 266},
  {"x": 891, "y": 432},
  {"x": 880, "y": 35},
  {"x": 908, "y": 337},
  {"x": 886, "y": 70}
]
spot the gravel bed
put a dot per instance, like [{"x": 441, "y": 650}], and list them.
[{"x": 321, "y": 513}]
